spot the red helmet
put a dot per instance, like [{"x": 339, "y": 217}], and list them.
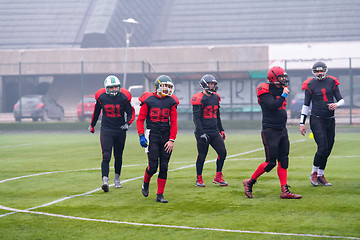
[{"x": 274, "y": 73}]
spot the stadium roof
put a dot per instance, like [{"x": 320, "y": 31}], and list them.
[{"x": 39, "y": 24}]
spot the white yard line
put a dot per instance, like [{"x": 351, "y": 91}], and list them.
[{"x": 173, "y": 226}]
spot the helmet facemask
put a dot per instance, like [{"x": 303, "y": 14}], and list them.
[
  {"x": 320, "y": 73},
  {"x": 165, "y": 88}
]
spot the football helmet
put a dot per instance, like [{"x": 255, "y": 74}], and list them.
[
  {"x": 204, "y": 83},
  {"x": 319, "y": 70},
  {"x": 164, "y": 86},
  {"x": 274, "y": 73},
  {"x": 112, "y": 81}
]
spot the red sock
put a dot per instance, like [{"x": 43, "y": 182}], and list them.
[
  {"x": 282, "y": 173},
  {"x": 259, "y": 171},
  {"x": 161, "y": 185},
  {"x": 147, "y": 177}
]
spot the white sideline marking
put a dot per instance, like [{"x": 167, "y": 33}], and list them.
[
  {"x": 171, "y": 226},
  {"x": 13, "y": 210}
]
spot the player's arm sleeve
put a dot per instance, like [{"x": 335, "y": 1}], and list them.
[
  {"x": 219, "y": 121},
  {"x": 338, "y": 97},
  {"x": 306, "y": 107},
  {"x": 269, "y": 101},
  {"x": 141, "y": 118},
  {"x": 173, "y": 123},
  {"x": 130, "y": 112},
  {"x": 197, "y": 115},
  {"x": 96, "y": 113}
]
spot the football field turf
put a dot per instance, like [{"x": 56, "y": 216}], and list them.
[{"x": 50, "y": 189}]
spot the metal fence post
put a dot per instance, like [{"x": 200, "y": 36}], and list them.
[{"x": 351, "y": 90}]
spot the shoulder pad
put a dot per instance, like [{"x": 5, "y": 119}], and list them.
[
  {"x": 335, "y": 79},
  {"x": 196, "y": 99},
  {"x": 144, "y": 96},
  {"x": 262, "y": 89},
  {"x": 126, "y": 93},
  {"x": 218, "y": 96},
  {"x": 99, "y": 92},
  {"x": 305, "y": 83},
  {"x": 175, "y": 98}
]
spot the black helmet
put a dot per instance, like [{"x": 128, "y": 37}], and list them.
[
  {"x": 208, "y": 78},
  {"x": 319, "y": 70}
]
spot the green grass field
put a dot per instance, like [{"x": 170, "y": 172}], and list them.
[{"x": 58, "y": 183}]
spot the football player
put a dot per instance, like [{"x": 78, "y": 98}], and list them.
[
  {"x": 208, "y": 128},
  {"x": 114, "y": 102},
  {"x": 159, "y": 110},
  {"x": 321, "y": 91},
  {"x": 272, "y": 97}
]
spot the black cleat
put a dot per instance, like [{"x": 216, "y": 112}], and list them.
[
  {"x": 145, "y": 189},
  {"x": 160, "y": 198}
]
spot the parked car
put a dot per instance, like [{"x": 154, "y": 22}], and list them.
[
  {"x": 89, "y": 104},
  {"x": 38, "y": 107}
]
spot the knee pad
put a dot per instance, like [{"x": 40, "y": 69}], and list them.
[{"x": 269, "y": 166}]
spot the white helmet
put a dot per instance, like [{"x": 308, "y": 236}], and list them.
[{"x": 112, "y": 81}]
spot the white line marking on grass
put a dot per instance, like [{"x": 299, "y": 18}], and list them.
[{"x": 172, "y": 226}]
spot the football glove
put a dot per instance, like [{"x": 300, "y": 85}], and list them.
[
  {"x": 91, "y": 129},
  {"x": 223, "y": 135},
  {"x": 125, "y": 127},
  {"x": 204, "y": 137},
  {"x": 143, "y": 141}
]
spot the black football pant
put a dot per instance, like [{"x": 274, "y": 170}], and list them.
[
  {"x": 217, "y": 143},
  {"x": 277, "y": 147},
  {"x": 157, "y": 155},
  {"x": 108, "y": 141},
  {"x": 324, "y": 135}
]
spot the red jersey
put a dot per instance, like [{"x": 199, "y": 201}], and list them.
[{"x": 160, "y": 113}]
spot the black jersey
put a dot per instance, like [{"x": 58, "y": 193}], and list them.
[
  {"x": 114, "y": 109},
  {"x": 160, "y": 113},
  {"x": 321, "y": 93},
  {"x": 206, "y": 113},
  {"x": 273, "y": 106}
]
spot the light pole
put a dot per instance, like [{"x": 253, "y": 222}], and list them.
[{"x": 129, "y": 30}]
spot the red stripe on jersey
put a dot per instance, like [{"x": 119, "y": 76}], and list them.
[
  {"x": 305, "y": 84},
  {"x": 99, "y": 92},
  {"x": 196, "y": 99},
  {"x": 262, "y": 89},
  {"x": 173, "y": 123},
  {"x": 126, "y": 93},
  {"x": 141, "y": 118},
  {"x": 144, "y": 96}
]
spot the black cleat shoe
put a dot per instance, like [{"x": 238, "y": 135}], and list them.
[
  {"x": 160, "y": 198},
  {"x": 145, "y": 189},
  {"x": 248, "y": 184}
]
